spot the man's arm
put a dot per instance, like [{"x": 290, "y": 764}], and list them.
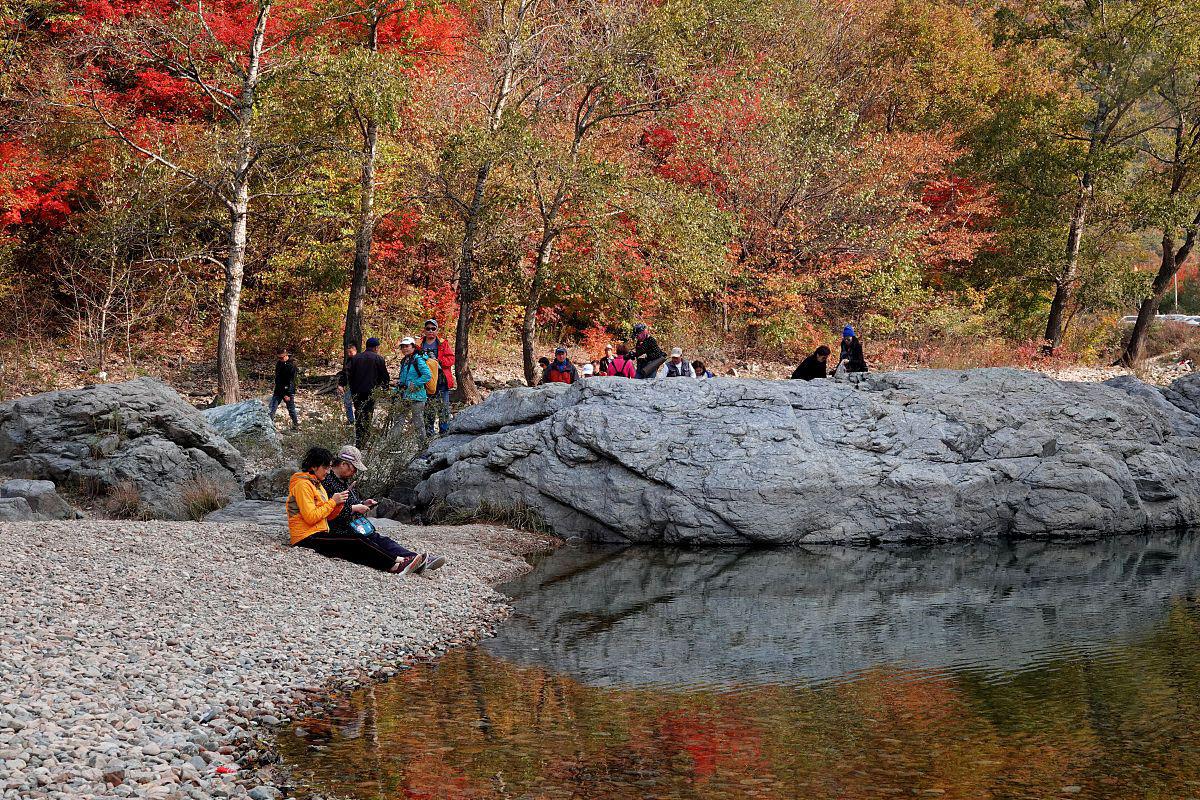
[{"x": 382, "y": 376}]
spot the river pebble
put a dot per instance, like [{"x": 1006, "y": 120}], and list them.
[{"x": 139, "y": 658}]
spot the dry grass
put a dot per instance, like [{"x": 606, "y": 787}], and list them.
[
  {"x": 124, "y": 501},
  {"x": 518, "y": 516},
  {"x": 201, "y": 496}
]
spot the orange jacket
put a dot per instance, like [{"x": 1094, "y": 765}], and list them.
[
  {"x": 308, "y": 507},
  {"x": 445, "y": 357}
]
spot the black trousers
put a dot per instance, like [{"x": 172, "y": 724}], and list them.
[
  {"x": 376, "y": 550},
  {"x": 364, "y": 409}
]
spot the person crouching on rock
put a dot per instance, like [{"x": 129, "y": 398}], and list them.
[
  {"x": 561, "y": 370},
  {"x": 353, "y": 537},
  {"x": 851, "y": 355},
  {"x": 813, "y": 367},
  {"x": 309, "y": 509}
]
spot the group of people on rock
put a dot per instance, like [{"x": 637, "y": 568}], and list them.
[
  {"x": 326, "y": 514},
  {"x": 850, "y": 357},
  {"x": 646, "y": 361}
]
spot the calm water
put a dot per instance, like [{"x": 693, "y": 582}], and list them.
[{"x": 1029, "y": 670}]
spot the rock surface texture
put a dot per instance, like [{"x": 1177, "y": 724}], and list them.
[
  {"x": 925, "y": 455},
  {"x": 41, "y": 496},
  {"x": 139, "y": 433},
  {"x": 247, "y": 426}
]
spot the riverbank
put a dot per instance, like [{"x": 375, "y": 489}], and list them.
[{"x": 153, "y": 659}]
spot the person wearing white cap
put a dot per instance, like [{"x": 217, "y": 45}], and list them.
[
  {"x": 411, "y": 382},
  {"x": 587, "y": 371},
  {"x": 352, "y": 536},
  {"x": 678, "y": 367}
]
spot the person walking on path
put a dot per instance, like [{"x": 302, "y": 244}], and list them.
[
  {"x": 343, "y": 378},
  {"x": 621, "y": 365},
  {"x": 285, "y": 387},
  {"x": 813, "y": 367},
  {"x": 411, "y": 381},
  {"x": 352, "y": 536},
  {"x": 678, "y": 367},
  {"x": 852, "y": 352},
  {"x": 367, "y": 372},
  {"x": 561, "y": 370},
  {"x": 649, "y": 355},
  {"x": 438, "y": 409},
  {"x": 700, "y": 370}
]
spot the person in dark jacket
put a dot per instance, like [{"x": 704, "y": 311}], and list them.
[
  {"x": 561, "y": 370},
  {"x": 366, "y": 373},
  {"x": 852, "y": 352},
  {"x": 602, "y": 367},
  {"x": 343, "y": 377},
  {"x": 371, "y": 549},
  {"x": 648, "y": 354},
  {"x": 813, "y": 367},
  {"x": 285, "y": 387},
  {"x": 678, "y": 367}
]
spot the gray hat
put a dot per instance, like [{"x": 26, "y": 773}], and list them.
[{"x": 351, "y": 455}]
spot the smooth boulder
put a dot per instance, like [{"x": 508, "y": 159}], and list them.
[
  {"x": 918, "y": 456},
  {"x": 139, "y": 435},
  {"x": 247, "y": 426},
  {"x": 41, "y": 496}
]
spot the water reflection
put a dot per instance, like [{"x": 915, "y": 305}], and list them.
[{"x": 1030, "y": 671}]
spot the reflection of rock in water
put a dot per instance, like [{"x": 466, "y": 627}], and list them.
[{"x": 655, "y": 616}]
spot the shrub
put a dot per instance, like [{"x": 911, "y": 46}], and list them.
[{"x": 519, "y": 515}]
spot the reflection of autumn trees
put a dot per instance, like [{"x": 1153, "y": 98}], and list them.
[{"x": 1112, "y": 725}]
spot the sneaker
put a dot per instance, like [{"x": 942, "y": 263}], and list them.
[
  {"x": 431, "y": 563},
  {"x": 405, "y": 565}
]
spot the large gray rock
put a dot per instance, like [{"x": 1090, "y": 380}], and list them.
[
  {"x": 15, "y": 509},
  {"x": 247, "y": 426},
  {"x": 42, "y": 497},
  {"x": 139, "y": 433},
  {"x": 925, "y": 455}
]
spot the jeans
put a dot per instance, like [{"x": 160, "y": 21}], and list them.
[
  {"x": 375, "y": 550},
  {"x": 364, "y": 409},
  {"x": 438, "y": 408},
  {"x": 348, "y": 404},
  {"x": 650, "y": 368},
  {"x": 276, "y": 399}
]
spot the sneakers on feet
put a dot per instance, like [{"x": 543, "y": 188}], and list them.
[
  {"x": 431, "y": 563},
  {"x": 404, "y": 565}
]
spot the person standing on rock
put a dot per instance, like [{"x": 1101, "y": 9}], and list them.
[
  {"x": 649, "y": 355},
  {"x": 621, "y": 365},
  {"x": 367, "y": 372},
  {"x": 438, "y": 409},
  {"x": 411, "y": 382},
  {"x": 343, "y": 380},
  {"x": 851, "y": 355},
  {"x": 310, "y": 507},
  {"x": 285, "y": 387},
  {"x": 678, "y": 367},
  {"x": 813, "y": 367},
  {"x": 560, "y": 370},
  {"x": 352, "y": 536}
]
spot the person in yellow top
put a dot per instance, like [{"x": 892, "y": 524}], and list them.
[{"x": 308, "y": 506}]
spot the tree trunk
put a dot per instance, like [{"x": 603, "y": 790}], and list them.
[
  {"x": 1064, "y": 288},
  {"x": 365, "y": 236},
  {"x": 239, "y": 209},
  {"x": 363, "y": 239},
  {"x": 1168, "y": 266},
  {"x": 533, "y": 301},
  {"x": 467, "y": 390}
]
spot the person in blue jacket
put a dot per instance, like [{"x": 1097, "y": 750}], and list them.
[{"x": 411, "y": 382}]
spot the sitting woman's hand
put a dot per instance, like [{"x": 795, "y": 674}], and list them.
[
  {"x": 360, "y": 508},
  {"x": 340, "y": 498}
]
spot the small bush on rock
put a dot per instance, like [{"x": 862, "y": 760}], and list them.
[
  {"x": 124, "y": 501},
  {"x": 201, "y": 496}
]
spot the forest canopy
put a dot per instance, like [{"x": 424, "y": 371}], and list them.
[{"x": 754, "y": 173}]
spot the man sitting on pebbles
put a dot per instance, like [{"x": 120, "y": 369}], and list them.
[{"x": 326, "y": 514}]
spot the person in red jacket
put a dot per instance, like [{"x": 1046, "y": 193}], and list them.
[
  {"x": 561, "y": 370},
  {"x": 438, "y": 407}
]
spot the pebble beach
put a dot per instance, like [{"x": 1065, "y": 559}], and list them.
[{"x": 154, "y": 659}]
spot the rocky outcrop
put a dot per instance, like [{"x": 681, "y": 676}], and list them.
[
  {"x": 41, "y": 497},
  {"x": 924, "y": 455},
  {"x": 247, "y": 426},
  {"x": 135, "y": 436}
]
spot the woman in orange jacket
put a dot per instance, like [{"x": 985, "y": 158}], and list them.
[{"x": 308, "y": 506}]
